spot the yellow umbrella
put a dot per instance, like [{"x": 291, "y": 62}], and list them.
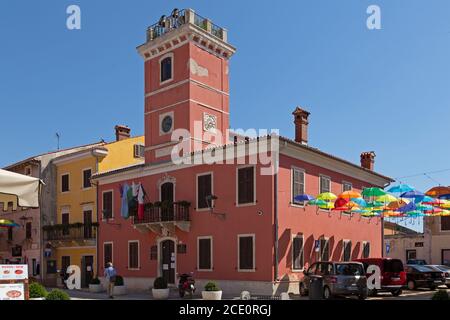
[
  {"x": 327, "y": 196},
  {"x": 387, "y": 198},
  {"x": 328, "y": 205}
]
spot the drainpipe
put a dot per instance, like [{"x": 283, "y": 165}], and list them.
[{"x": 275, "y": 187}]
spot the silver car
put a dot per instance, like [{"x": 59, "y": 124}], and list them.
[
  {"x": 442, "y": 268},
  {"x": 338, "y": 279}
]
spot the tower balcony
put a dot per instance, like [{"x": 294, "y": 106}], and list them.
[
  {"x": 164, "y": 217},
  {"x": 179, "y": 18}
]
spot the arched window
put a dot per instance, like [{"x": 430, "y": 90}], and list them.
[{"x": 166, "y": 69}]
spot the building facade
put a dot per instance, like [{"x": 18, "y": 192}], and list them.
[
  {"x": 72, "y": 238},
  {"x": 235, "y": 222}
]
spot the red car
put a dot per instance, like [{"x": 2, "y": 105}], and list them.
[{"x": 393, "y": 275}]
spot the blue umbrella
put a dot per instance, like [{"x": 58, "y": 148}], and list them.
[
  {"x": 412, "y": 194},
  {"x": 304, "y": 197},
  {"x": 360, "y": 202},
  {"x": 401, "y": 188},
  {"x": 444, "y": 196},
  {"x": 407, "y": 208}
]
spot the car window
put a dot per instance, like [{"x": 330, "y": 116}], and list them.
[
  {"x": 393, "y": 265},
  {"x": 422, "y": 268},
  {"x": 349, "y": 269},
  {"x": 312, "y": 269}
]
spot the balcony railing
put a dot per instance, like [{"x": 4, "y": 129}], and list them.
[
  {"x": 171, "y": 212},
  {"x": 70, "y": 232},
  {"x": 179, "y": 18}
]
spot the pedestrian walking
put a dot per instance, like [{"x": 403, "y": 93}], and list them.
[{"x": 110, "y": 275}]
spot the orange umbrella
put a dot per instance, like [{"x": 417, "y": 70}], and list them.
[
  {"x": 350, "y": 195},
  {"x": 397, "y": 204},
  {"x": 438, "y": 191}
]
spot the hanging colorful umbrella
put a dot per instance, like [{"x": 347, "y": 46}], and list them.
[
  {"x": 444, "y": 196},
  {"x": 327, "y": 196},
  {"x": 317, "y": 202},
  {"x": 409, "y": 207},
  {"x": 401, "y": 188},
  {"x": 373, "y": 192},
  {"x": 424, "y": 207},
  {"x": 397, "y": 204},
  {"x": 413, "y": 195},
  {"x": 349, "y": 195},
  {"x": 8, "y": 223},
  {"x": 387, "y": 198},
  {"x": 304, "y": 197},
  {"x": 327, "y": 206},
  {"x": 374, "y": 204},
  {"x": 360, "y": 202},
  {"x": 438, "y": 191}
]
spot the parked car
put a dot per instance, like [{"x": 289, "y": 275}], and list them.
[
  {"x": 338, "y": 279},
  {"x": 419, "y": 276},
  {"x": 419, "y": 262},
  {"x": 392, "y": 277},
  {"x": 443, "y": 268}
]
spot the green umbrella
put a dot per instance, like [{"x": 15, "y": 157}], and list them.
[
  {"x": 317, "y": 202},
  {"x": 373, "y": 192}
]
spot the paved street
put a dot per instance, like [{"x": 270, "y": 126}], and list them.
[{"x": 420, "y": 294}]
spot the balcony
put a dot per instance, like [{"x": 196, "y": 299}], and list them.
[
  {"x": 164, "y": 217},
  {"x": 66, "y": 234},
  {"x": 179, "y": 18}
]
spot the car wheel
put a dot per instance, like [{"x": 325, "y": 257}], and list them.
[
  {"x": 411, "y": 285},
  {"x": 327, "y": 293},
  {"x": 303, "y": 291},
  {"x": 396, "y": 293}
]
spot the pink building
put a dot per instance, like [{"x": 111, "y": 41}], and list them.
[{"x": 232, "y": 223}]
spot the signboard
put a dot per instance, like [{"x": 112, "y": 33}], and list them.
[
  {"x": 12, "y": 291},
  {"x": 13, "y": 272}
]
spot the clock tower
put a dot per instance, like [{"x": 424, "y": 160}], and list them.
[{"x": 186, "y": 84}]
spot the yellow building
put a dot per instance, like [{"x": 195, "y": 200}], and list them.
[{"x": 73, "y": 236}]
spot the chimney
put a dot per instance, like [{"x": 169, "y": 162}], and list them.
[
  {"x": 301, "y": 125},
  {"x": 122, "y": 132},
  {"x": 368, "y": 160}
]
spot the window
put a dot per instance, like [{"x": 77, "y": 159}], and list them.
[
  {"x": 324, "y": 184},
  {"x": 324, "y": 250},
  {"x": 51, "y": 267},
  {"x": 298, "y": 185},
  {"x": 366, "y": 249},
  {"x": 246, "y": 253},
  {"x": 166, "y": 69},
  {"x": 411, "y": 255},
  {"x": 107, "y": 205},
  {"x": 204, "y": 261},
  {"x": 65, "y": 263},
  {"x": 204, "y": 189},
  {"x": 246, "y": 185},
  {"x": 10, "y": 234},
  {"x": 28, "y": 230},
  {"x": 346, "y": 186},
  {"x": 297, "y": 253},
  {"x": 65, "y": 183},
  {"x": 138, "y": 150},
  {"x": 107, "y": 253},
  {"x": 347, "y": 250},
  {"x": 87, "y": 173},
  {"x": 65, "y": 222},
  {"x": 445, "y": 223},
  {"x": 133, "y": 255}
]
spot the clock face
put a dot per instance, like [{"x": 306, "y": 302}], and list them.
[
  {"x": 166, "y": 124},
  {"x": 209, "y": 122}
]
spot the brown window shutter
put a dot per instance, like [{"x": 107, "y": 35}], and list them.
[
  {"x": 204, "y": 190},
  {"x": 445, "y": 223},
  {"x": 246, "y": 253},
  {"x": 204, "y": 253}
]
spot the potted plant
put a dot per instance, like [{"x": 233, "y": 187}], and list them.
[
  {"x": 37, "y": 291},
  {"x": 119, "y": 287},
  {"x": 95, "y": 286},
  {"x": 212, "y": 292},
  {"x": 160, "y": 291},
  {"x": 57, "y": 294}
]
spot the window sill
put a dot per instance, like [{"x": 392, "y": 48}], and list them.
[
  {"x": 295, "y": 205},
  {"x": 205, "y": 270},
  {"x": 297, "y": 270},
  {"x": 165, "y": 81},
  {"x": 133, "y": 269},
  {"x": 246, "y": 270},
  {"x": 203, "y": 210},
  {"x": 246, "y": 204}
]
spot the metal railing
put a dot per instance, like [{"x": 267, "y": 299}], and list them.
[
  {"x": 80, "y": 232},
  {"x": 179, "y": 18},
  {"x": 168, "y": 213}
]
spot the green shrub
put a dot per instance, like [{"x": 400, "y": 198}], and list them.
[
  {"x": 119, "y": 281},
  {"x": 37, "y": 290},
  {"x": 212, "y": 286},
  {"x": 95, "y": 281},
  {"x": 57, "y": 294},
  {"x": 160, "y": 283},
  {"x": 440, "y": 295}
]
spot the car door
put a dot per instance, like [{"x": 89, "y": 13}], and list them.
[{"x": 307, "y": 279}]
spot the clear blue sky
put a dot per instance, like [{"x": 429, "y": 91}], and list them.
[{"x": 384, "y": 90}]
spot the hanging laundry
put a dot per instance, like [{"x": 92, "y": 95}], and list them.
[
  {"x": 124, "y": 201},
  {"x": 141, "y": 195}
]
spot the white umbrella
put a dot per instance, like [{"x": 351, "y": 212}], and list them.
[{"x": 24, "y": 188}]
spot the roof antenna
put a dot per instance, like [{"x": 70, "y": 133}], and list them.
[{"x": 57, "y": 138}]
